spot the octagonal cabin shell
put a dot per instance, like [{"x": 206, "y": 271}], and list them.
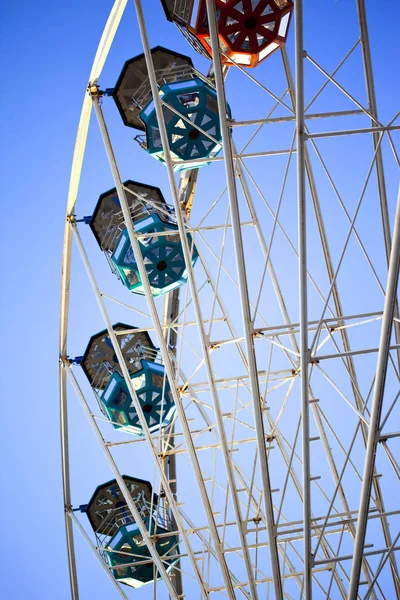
[
  {"x": 153, "y": 392},
  {"x": 249, "y": 31},
  {"x": 107, "y": 222},
  {"x": 132, "y": 91},
  {"x": 107, "y": 510},
  {"x": 99, "y": 361},
  {"x": 180, "y": 13},
  {"x": 128, "y": 540},
  {"x": 162, "y": 255},
  {"x": 192, "y": 123}
]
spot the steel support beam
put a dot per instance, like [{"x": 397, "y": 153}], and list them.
[
  {"x": 198, "y": 312},
  {"x": 171, "y": 311},
  {"x": 350, "y": 556},
  {"x": 318, "y": 357},
  {"x": 374, "y": 426},
  {"x": 372, "y": 106},
  {"x": 303, "y": 309},
  {"x": 380, "y": 173},
  {"x": 342, "y": 113},
  {"x": 248, "y": 327},
  {"x": 291, "y": 332},
  {"x": 338, "y": 306},
  {"x": 377, "y": 129}
]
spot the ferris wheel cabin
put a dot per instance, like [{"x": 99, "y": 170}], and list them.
[
  {"x": 152, "y": 217},
  {"x": 190, "y": 108},
  {"x": 249, "y": 30},
  {"x": 148, "y": 377},
  {"x": 119, "y": 536}
]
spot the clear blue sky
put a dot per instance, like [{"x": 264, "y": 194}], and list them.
[{"x": 47, "y": 49}]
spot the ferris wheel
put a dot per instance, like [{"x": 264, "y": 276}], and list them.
[{"x": 241, "y": 373}]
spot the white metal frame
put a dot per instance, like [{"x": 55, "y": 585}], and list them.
[{"x": 299, "y": 551}]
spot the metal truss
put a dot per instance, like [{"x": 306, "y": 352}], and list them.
[{"x": 280, "y": 471}]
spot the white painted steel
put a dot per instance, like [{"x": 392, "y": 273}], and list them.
[
  {"x": 376, "y": 411},
  {"x": 313, "y": 552},
  {"x": 161, "y": 340},
  {"x": 303, "y": 308},
  {"x": 80, "y": 144},
  {"x": 244, "y": 296}
]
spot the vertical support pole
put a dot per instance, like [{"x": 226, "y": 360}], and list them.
[
  {"x": 372, "y": 105},
  {"x": 314, "y": 409},
  {"x": 345, "y": 340},
  {"x": 244, "y": 297},
  {"x": 380, "y": 174},
  {"x": 171, "y": 311},
  {"x": 303, "y": 316},
  {"x": 380, "y": 381}
]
